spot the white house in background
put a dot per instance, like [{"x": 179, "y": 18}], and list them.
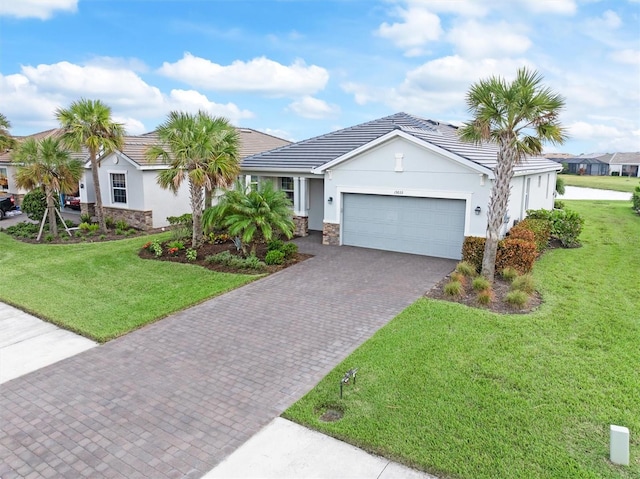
[
  {"x": 129, "y": 182},
  {"x": 399, "y": 183}
]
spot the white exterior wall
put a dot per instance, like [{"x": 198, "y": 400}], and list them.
[
  {"x": 11, "y": 181},
  {"x": 163, "y": 203},
  {"x": 425, "y": 174},
  {"x": 87, "y": 192}
]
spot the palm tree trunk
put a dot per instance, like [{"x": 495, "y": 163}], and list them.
[
  {"x": 53, "y": 222},
  {"x": 197, "y": 201},
  {"x": 498, "y": 203},
  {"x": 208, "y": 198},
  {"x": 96, "y": 187}
]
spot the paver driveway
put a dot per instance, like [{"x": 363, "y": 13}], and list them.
[{"x": 175, "y": 398}]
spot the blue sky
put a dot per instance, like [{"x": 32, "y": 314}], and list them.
[{"x": 300, "y": 68}]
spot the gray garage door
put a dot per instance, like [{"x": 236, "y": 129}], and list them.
[{"x": 427, "y": 226}]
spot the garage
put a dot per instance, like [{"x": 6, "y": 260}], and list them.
[{"x": 425, "y": 226}]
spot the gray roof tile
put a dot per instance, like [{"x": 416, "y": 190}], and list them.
[{"x": 315, "y": 152}]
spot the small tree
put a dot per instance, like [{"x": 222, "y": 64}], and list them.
[
  {"x": 254, "y": 215},
  {"x": 519, "y": 117},
  {"x": 47, "y": 164},
  {"x": 6, "y": 140}
]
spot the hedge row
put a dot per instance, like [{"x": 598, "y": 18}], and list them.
[
  {"x": 538, "y": 228},
  {"x": 519, "y": 254}
]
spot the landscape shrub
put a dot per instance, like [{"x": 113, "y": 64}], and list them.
[
  {"x": 34, "y": 204},
  {"x": 289, "y": 250},
  {"x": 453, "y": 288},
  {"x": 517, "y": 298},
  {"x": 275, "y": 256},
  {"x": 566, "y": 225},
  {"x": 23, "y": 230},
  {"x": 485, "y": 297},
  {"x": 509, "y": 274},
  {"x": 466, "y": 269},
  {"x": 459, "y": 277},
  {"x": 85, "y": 218},
  {"x": 541, "y": 230},
  {"x": 191, "y": 254},
  {"x": 110, "y": 222},
  {"x": 560, "y": 186},
  {"x": 480, "y": 283},
  {"x": 275, "y": 245},
  {"x": 520, "y": 232},
  {"x": 122, "y": 225},
  {"x": 635, "y": 199},
  {"x": 517, "y": 253},
  {"x": 181, "y": 226},
  {"x": 227, "y": 259},
  {"x": 558, "y": 205},
  {"x": 179, "y": 245},
  {"x": 218, "y": 238},
  {"x": 473, "y": 251},
  {"x": 524, "y": 283},
  {"x": 84, "y": 226}
]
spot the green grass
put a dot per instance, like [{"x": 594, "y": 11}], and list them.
[
  {"x": 102, "y": 290},
  {"x": 616, "y": 183},
  {"x": 466, "y": 393}
]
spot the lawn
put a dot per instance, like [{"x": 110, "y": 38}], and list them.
[
  {"x": 466, "y": 393},
  {"x": 102, "y": 290},
  {"x": 617, "y": 183}
]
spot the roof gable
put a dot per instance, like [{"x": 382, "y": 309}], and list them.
[{"x": 314, "y": 154}]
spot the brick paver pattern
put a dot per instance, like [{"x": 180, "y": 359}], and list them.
[{"x": 175, "y": 398}]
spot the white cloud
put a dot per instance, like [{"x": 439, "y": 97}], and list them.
[
  {"x": 561, "y": 7},
  {"x": 313, "y": 108},
  {"x": 42, "y": 9},
  {"x": 473, "y": 39},
  {"x": 628, "y": 55},
  {"x": 34, "y": 94},
  {"x": 466, "y": 8},
  {"x": 132, "y": 126},
  {"x": 191, "y": 100},
  {"x": 606, "y": 137},
  {"x": 284, "y": 134},
  {"x": 418, "y": 27},
  {"x": 608, "y": 21},
  {"x": 362, "y": 94},
  {"x": 259, "y": 75}
]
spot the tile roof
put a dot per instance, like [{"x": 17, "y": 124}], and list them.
[
  {"x": 5, "y": 157},
  {"x": 632, "y": 158},
  {"x": 315, "y": 152},
  {"x": 251, "y": 142}
]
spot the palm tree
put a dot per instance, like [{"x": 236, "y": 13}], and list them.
[
  {"x": 201, "y": 149},
  {"x": 46, "y": 163},
  {"x": 253, "y": 215},
  {"x": 6, "y": 140},
  {"x": 519, "y": 116},
  {"x": 88, "y": 123}
]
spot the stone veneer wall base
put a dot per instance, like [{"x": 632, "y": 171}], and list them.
[
  {"x": 302, "y": 226},
  {"x": 331, "y": 234}
]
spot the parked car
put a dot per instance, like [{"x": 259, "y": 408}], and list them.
[
  {"x": 72, "y": 202},
  {"x": 7, "y": 203}
]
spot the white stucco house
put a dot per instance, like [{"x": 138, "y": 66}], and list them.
[
  {"x": 399, "y": 183},
  {"x": 129, "y": 182}
]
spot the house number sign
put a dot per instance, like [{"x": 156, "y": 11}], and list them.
[{"x": 398, "y": 192}]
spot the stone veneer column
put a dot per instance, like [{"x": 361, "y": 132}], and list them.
[
  {"x": 302, "y": 226},
  {"x": 331, "y": 234}
]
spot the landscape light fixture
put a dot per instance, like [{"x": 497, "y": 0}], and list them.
[{"x": 330, "y": 200}]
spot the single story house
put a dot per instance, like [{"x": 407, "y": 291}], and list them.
[
  {"x": 399, "y": 183},
  {"x": 8, "y": 169},
  {"x": 602, "y": 164}
]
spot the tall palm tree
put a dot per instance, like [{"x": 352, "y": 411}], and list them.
[
  {"x": 201, "y": 149},
  {"x": 88, "y": 123},
  {"x": 519, "y": 116},
  {"x": 6, "y": 140},
  {"x": 46, "y": 163}
]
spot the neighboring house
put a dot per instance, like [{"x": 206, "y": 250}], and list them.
[
  {"x": 129, "y": 186},
  {"x": 584, "y": 165},
  {"x": 399, "y": 183},
  {"x": 625, "y": 164},
  {"x": 8, "y": 169},
  {"x": 602, "y": 164}
]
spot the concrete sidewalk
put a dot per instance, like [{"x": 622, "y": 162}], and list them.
[
  {"x": 28, "y": 343},
  {"x": 284, "y": 449}
]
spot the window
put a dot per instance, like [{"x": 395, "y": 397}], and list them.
[
  {"x": 286, "y": 185},
  {"x": 4, "y": 179},
  {"x": 118, "y": 188},
  {"x": 253, "y": 182}
]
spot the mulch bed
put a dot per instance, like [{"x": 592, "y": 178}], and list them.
[
  {"x": 500, "y": 289},
  {"x": 208, "y": 249},
  {"x": 97, "y": 237}
]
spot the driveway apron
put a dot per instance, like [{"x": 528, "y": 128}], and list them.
[{"x": 175, "y": 398}]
